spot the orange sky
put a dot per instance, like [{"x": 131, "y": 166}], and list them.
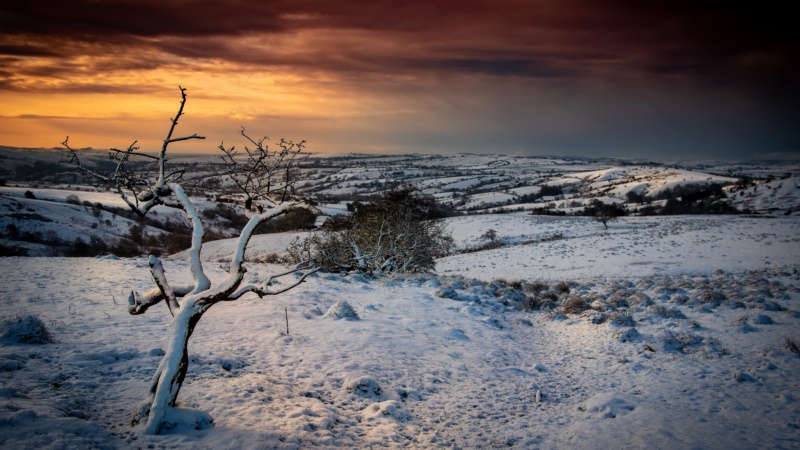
[{"x": 661, "y": 80}]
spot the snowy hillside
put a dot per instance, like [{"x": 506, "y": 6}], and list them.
[
  {"x": 663, "y": 333},
  {"x": 769, "y": 196},
  {"x": 42, "y": 216},
  {"x": 50, "y": 209},
  {"x": 552, "y": 331}
]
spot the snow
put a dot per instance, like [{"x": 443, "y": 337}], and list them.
[
  {"x": 525, "y": 190},
  {"x": 487, "y": 198},
  {"x": 109, "y": 198},
  {"x": 683, "y": 347},
  {"x": 769, "y": 196},
  {"x": 578, "y": 247}
]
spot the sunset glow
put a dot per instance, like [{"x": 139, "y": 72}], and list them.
[{"x": 668, "y": 80}]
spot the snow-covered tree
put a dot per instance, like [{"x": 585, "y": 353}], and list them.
[{"x": 186, "y": 303}]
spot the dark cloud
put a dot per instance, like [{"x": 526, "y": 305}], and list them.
[
  {"x": 92, "y": 20},
  {"x": 501, "y": 67},
  {"x": 656, "y": 37},
  {"x": 25, "y": 50}
]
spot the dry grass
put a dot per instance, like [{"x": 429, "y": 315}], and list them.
[
  {"x": 562, "y": 287},
  {"x": 574, "y": 304},
  {"x": 535, "y": 287}
]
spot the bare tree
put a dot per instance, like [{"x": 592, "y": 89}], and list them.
[
  {"x": 490, "y": 235},
  {"x": 186, "y": 303},
  {"x": 261, "y": 173},
  {"x": 605, "y": 213}
]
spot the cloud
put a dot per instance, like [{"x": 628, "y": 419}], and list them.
[
  {"x": 575, "y": 36},
  {"x": 456, "y": 75},
  {"x": 25, "y": 50}
]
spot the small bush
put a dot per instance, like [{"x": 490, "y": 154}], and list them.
[
  {"x": 73, "y": 199},
  {"x": 513, "y": 284},
  {"x": 29, "y": 194},
  {"x": 574, "y": 305},
  {"x": 535, "y": 287},
  {"x": 27, "y": 329},
  {"x": 396, "y": 232},
  {"x": 549, "y": 295},
  {"x": 490, "y": 235},
  {"x": 562, "y": 288},
  {"x": 709, "y": 297},
  {"x": 669, "y": 313},
  {"x": 621, "y": 319},
  {"x": 540, "y": 300}
]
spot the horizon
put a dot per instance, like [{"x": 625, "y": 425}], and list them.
[
  {"x": 788, "y": 159},
  {"x": 674, "y": 81}
]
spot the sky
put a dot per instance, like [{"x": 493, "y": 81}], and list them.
[{"x": 621, "y": 78}]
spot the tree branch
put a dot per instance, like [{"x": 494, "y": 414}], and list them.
[
  {"x": 161, "y": 281},
  {"x": 198, "y": 232},
  {"x": 140, "y": 303},
  {"x": 262, "y": 291}
]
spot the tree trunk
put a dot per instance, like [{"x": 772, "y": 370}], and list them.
[{"x": 169, "y": 376}]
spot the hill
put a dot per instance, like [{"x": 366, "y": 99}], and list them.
[{"x": 33, "y": 200}]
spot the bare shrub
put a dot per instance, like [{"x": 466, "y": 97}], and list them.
[
  {"x": 513, "y": 284},
  {"x": 618, "y": 299},
  {"x": 395, "y": 232},
  {"x": 535, "y": 287},
  {"x": 621, "y": 319},
  {"x": 562, "y": 287},
  {"x": 670, "y": 313},
  {"x": 25, "y": 329},
  {"x": 490, "y": 235},
  {"x": 640, "y": 298},
  {"x": 533, "y": 302},
  {"x": 73, "y": 199},
  {"x": 711, "y": 298},
  {"x": 680, "y": 299},
  {"x": 549, "y": 295},
  {"x": 574, "y": 304}
]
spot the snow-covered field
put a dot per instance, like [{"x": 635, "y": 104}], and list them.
[
  {"x": 572, "y": 248},
  {"x": 680, "y": 343}
]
